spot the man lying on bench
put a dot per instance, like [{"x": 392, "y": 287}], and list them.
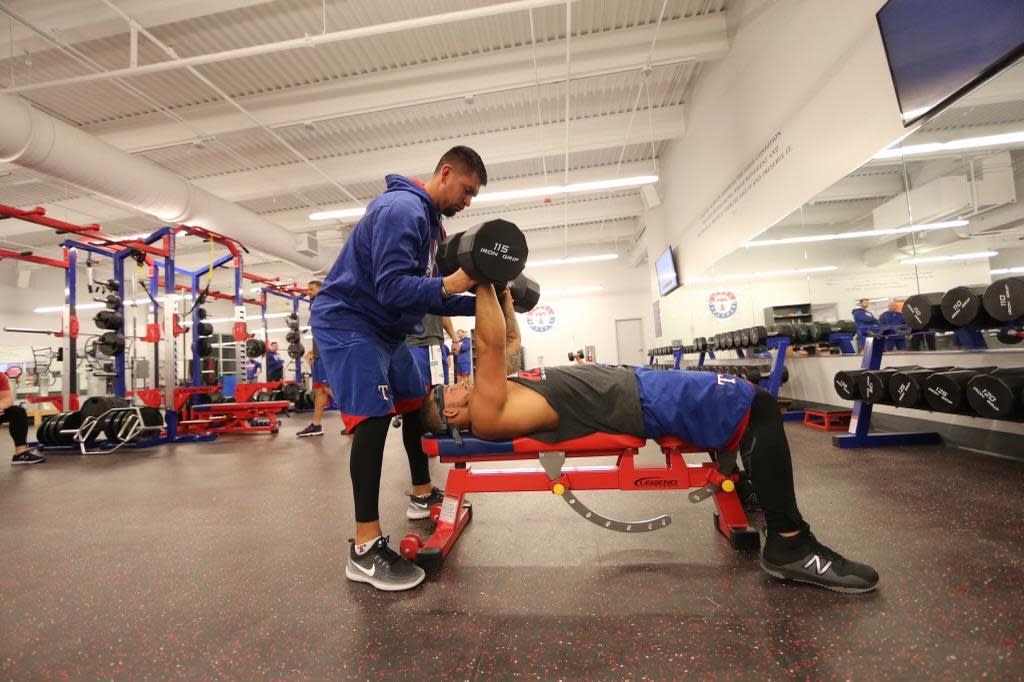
[{"x": 707, "y": 410}]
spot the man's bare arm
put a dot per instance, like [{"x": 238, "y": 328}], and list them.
[
  {"x": 449, "y": 328},
  {"x": 513, "y": 340}
]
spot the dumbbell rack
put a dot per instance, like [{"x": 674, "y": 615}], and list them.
[{"x": 859, "y": 435}]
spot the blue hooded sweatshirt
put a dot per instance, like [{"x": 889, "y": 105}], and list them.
[{"x": 384, "y": 282}]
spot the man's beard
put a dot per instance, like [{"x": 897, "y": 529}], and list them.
[{"x": 450, "y": 211}]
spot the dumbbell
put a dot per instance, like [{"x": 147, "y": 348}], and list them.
[
  {"x": 873, "y": 385},
  {"x": 947, "y": 391},
  {"x": 493, "y": 251},
  {"x": 1004, "y": 299},
  {"x": 906, "y": 388},
  {"x": 737, "y": 339},
  {"x": 846, "y": 383},
  {"x": 962, "y": 306},
  {"x": 525, "y": 293},
  {"x": 924, "y": 311},
  {"x": 998, "y": 395},
  {"x": 108, "y": 319}
]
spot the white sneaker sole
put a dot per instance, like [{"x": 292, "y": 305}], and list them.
[
  {"x": 834, "y": 588},
  {"x": 358, "y": 576},
  {"x": 309, "y": 435},
  {"x": 416, "y": 513}
]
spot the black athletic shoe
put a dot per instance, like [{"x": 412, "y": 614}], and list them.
[
  {"x": 28, "y": 457},
  {"x": 419, "y": 505},
  {"x": 819, "y": 565},
  {"x": 383, "y": 567},
  {"x": 311, "y": 430}
]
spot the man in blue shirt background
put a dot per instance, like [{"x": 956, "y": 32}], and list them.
[
  {"x": 275, "y": 365},
  {"x": 463, "y": 364},
  {"x": 893, "y": 317},
  {"x": 864, "y": 319},
  {"x": 376, "y": 293}
]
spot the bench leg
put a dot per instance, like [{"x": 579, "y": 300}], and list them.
[{"x": 731, "y": 521}]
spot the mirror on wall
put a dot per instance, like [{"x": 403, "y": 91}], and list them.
[{"x": 936, "y": 210}]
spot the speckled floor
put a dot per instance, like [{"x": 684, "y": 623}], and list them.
[{"x": 224, "y": 561}]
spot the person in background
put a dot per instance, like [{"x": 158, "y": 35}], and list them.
[
  {"x": 462, "y": 348},
  {"x": 434, "y": 328},
  {"x": 893, "y": 317},
  {"x": 275, "y": 365},
  {"x": 321, "y": 391},
  {"x": 252, "y": 369},
  {"x": 864, "y": 319},
  {"x": 16, "y": 417}
]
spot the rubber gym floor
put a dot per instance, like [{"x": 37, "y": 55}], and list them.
[{"x": 225, "y": 561}]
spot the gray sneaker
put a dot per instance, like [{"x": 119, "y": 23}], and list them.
[
  {"x": 383, "y": 567},
  {"x": 419, "y": 505}
]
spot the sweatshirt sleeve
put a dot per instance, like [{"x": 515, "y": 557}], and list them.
[{"x": 399, "y": 235}]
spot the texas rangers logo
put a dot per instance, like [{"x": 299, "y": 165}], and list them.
[
  {"x": 722, "y": 304},
  {"x": 383, "y": 390},
  {"x": 541, "y": 318}
]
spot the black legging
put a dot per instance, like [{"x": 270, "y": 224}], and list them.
[
  {"x": 367, "y": 460},
  {"x": 765, "y": 453},
  {"x": 18, "y": 419}
]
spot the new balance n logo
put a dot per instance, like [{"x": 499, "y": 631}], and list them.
[{"x": 816, "y": 562}]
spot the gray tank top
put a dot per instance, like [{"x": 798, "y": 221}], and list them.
[
  {"x": 588, "y": 399},
  {"x": 433, "y": 333}
]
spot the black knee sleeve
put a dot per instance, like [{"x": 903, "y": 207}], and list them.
[{"x": 365, "y": 465}]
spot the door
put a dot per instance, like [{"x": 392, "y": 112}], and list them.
[{"x": 629, "y": 339}]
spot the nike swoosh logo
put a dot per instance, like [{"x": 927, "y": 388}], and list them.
[{"x": 370, "y": 572}]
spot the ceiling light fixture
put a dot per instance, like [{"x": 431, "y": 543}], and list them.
[
  {"x": 909, "y": 260},
  {"x": 1005, "y": 271},
  {"x": 860, "y": 234},
  {"x": 952, "y": 146},
  {"x": 514, "y": 194},
  {"x": 763, "y": 275},
  {"x": 572, "y": 260}
]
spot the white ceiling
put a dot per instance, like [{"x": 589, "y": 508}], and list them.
[{"x": 291, "y": 131}]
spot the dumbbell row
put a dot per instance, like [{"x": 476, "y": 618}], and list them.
[
  {"x": 758, "y": 335},
  {"x": 752, "y": 373},
  {"x": 983, "y": 307},
  {"x": 993, "y": 392}
]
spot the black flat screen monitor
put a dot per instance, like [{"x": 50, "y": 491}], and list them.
[
  {"x": 939, "y": 49},
  {"x": 665, "y": 266}
]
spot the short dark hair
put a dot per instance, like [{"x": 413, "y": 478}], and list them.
[
  {"x": 430, "y": 414},
  {"x": 465, "y": 160},
  {"x": 317, "y": 282}
]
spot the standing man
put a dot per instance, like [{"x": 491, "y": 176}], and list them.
[
  {"x": 275, "y": 365},
  {"x": 864, "y": 319},
  {"x": 17, "y": 418},
  {"x": 462, "y": 348},
  {"x": 321, "y": 391},
  {"x": 376, "y": 293},
  {"x": 893, "y": 317}
]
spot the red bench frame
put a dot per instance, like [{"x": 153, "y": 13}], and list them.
[{"x": 454, "y": 513}]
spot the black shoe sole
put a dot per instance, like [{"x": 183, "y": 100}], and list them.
[{"x": 776, "y": 573}]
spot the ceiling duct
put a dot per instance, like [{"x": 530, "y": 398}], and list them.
[{"x": 38, "y": 141}]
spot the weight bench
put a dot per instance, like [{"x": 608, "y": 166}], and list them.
[
  {"x": 238, "y": 417},
  {"x": 451, "y": 516}
]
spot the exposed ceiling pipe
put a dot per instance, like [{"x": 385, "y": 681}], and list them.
[{"x": 36, "y": 140}]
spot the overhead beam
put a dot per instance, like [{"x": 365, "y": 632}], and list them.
[
  {"x": 680, "y": 41},
  {"x": 294, "y": 44},
  {"x": 600, "y": 132}
]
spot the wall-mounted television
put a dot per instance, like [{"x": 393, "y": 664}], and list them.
[
  {"x": 939, "y": 49},
  {"x": 665, "y": 266}
]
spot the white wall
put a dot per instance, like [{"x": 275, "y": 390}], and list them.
[{"x": 803, "y": 98}]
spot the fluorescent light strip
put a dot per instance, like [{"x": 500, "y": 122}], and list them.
[
  {"x": 925, "y": 227},
  {"x": 1005, "y": 271},
  {"x": 572, "y": 260},
  {"x": 908, "y": 260},
  {"x": 762, "y": 275},
  {"x": 952, "y": 146},
  {"x": 511, "y": 195}
]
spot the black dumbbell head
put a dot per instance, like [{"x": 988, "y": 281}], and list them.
[
  {"x": 1004, "y": 299},
  {"x": 525, "y": 293},
  {"x": 494, "y": 251},
  {"x": 447, "y": 257}
]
